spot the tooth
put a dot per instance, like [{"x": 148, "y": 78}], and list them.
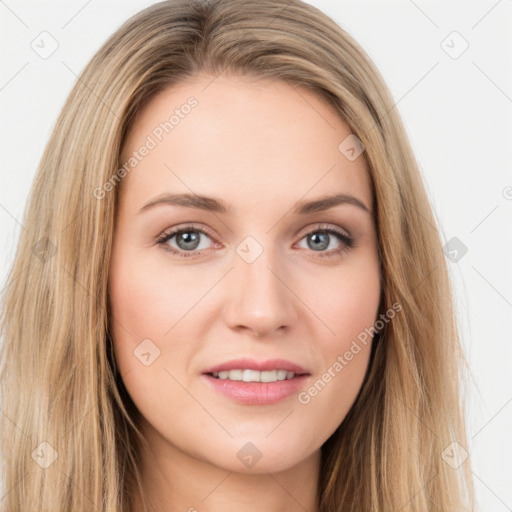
[
  {"x": 254, "y": 375},
  {"x": 251, "y": 376},
  {"x": 268, "y": 376},
  {"x": 235, "y": 375}
]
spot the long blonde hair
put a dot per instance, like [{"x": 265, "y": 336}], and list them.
[{"x": 69, "y": 429}]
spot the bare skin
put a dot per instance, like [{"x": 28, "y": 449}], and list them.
[{"x": 259, "y": 146}]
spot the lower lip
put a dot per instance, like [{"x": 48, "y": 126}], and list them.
[{"x": 257, "y": 393}]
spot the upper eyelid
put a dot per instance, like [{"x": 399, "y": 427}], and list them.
[
  {"x": 321, "y": 226},
  {"x": 304, "y": 231},
  {"x": 170, "y": 232}
]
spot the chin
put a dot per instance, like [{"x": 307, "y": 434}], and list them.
[
  {"x": 262, "y": 466},
  {"x": 261, "y": 456}
]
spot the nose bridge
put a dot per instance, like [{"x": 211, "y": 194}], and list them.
[{"x": 258, "y": 296}]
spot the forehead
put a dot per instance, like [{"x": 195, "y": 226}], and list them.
[{"x": 247, "y": 140}]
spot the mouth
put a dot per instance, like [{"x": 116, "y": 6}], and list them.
[
  {"x": 249, "y": 382},
  {"x": 256, "y": 382},
  {"x": 247, "y": 375}
]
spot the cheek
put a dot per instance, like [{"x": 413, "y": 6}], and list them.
[
  {"x": 144, "y": 301},
  {"x": 346, "y": 300},
  {"x": 348, "y": 308},
  {"x": 328, "y": 398},
  {"x": 357, "y": 305},
  {"x": 144, "y": 308},
  {"x": 150, "y": 302},
  {"x": 140, "y": 306}
]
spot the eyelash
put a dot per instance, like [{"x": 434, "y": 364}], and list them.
[{"x": 347, "y": 241}]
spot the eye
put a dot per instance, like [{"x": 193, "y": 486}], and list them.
[
  {"x": 188, "y": 240},
  {"x": 320, "y": 239}
]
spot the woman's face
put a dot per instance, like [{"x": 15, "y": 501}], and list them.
[{"x": 253, "y": 275}]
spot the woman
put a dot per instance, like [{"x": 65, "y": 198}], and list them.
[{"x": 232, "y": 292}]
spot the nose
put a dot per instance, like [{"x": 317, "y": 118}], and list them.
[{"x": 259, "y": 298}]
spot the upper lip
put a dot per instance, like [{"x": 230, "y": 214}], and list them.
[{"x": 252, "y": 364}]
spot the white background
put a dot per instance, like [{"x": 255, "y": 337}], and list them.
[{"x": 457, "y": 112}]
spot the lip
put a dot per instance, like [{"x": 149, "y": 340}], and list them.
[
  {"x": 252, "y": 364},
  {"x": 257, "y": 393}
]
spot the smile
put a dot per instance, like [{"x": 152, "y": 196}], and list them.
[{"x": 254, "y": 375}]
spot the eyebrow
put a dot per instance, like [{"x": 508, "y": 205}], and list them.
[{"x": 211, "y": 204}]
